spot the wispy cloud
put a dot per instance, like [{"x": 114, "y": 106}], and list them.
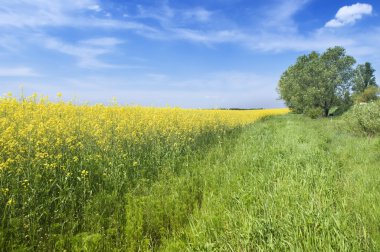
[
  {"x": 195, "y": 24},
  {"x": 86, "y": 52},
  {"x": 276, "y": 22},
  {"x": 169, "y": 17},
  {"x": 95, "y": 8},
  {"x": 61, "y": 13},
  {"x": 32, "y": 22},
  {"x": 208, "y": 37},
  {"x": 18, "y": 72},
  {"x": 29, "y": 13},
  {"x": 349, "y": 15},
  {"x": 274, "y": 30},
  {"x": 280, "y": 15}
]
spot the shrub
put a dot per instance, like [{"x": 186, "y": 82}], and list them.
[
  {"x": 314, "y": 112},
  {"x": 364, "y": 118},
  {"x": 368, "y": 95}
]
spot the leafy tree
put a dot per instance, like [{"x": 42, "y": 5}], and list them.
[
  {"x": 364, "y": 77},
  {"x": 318, "y": 82}
]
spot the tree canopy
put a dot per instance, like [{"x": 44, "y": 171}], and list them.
[
  {"x": 364, "y": 77},
  {"x": 318, "y": 82}
]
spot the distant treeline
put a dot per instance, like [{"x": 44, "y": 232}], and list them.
[{"x": 240, "y": 108}]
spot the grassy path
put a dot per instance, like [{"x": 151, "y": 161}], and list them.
[{"x": 287, "y": 184}]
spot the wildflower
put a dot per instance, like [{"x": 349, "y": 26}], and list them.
[
  {"x": 25, "y": 183},
  {"x": 84, "y": 173},
  {"x": 11, "y": 202}
]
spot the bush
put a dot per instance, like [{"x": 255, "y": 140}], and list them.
[
  {"x": 364, "y": 118},
  {"x": 314, "y": 112},
  {"x": 368, "y": 95}
]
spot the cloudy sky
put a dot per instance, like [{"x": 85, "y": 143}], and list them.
[{"x": 200, "y": 54}]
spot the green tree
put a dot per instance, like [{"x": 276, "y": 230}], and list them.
[
  {"x": 318, "y": 82},
  {"x": 364, "y": 77}
]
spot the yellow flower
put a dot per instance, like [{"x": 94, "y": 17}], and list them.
[
  {"x": 11, "y": 202},
  {"x": 84, "y": 173},
  {"x": 40, "y": 134},
  {"x": 25, "y": 183}
]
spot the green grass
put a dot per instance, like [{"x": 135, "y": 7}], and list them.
[{"x": 285, "y": 183}]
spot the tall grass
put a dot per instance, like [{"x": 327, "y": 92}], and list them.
[{"x": 288, "y": 184}]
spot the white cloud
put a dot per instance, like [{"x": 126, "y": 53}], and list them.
[
  {"x": 174, "y": 17},
  {"x": 95, "y": 8},
  {"x": 207, "y": 37},
  {"x": 25, "y": 14},
  {"x": 86, "y": 54},
  {"x": 349, "y": 15},
  {"x": 32, "y": 13},
  {"x": 17, "y": 72},
  {"x": 276, "y": 33},
  {"x": 279, "y": 16}
]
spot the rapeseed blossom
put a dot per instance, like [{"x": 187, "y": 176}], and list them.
[
  {"x": 58, "y": 159},
  {"x": 51, "y": 144}
]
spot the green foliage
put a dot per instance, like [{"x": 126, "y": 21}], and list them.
[
  {"x": 369, "y": 94},
  {"x": 363, "y": 119},
  {"x": 318, "y": 81},
  {"x": 314, "y": 112},
  {"x": 364, "y": 78},
  {"x": 157, "y": 213}
]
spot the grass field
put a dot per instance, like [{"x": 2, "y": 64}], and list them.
[
  {"x": 287, "y": 183},
  {"x": 284, "y": 183}
]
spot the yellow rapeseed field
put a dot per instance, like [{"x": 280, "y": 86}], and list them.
[
  {"x": 42, "y": 133},
  {"x": 61, "y": 162}
]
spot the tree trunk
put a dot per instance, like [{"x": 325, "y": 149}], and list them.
[{"x": 326, "y": 112}]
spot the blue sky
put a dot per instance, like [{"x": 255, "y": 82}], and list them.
[{"x": 199, "y": 54}]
